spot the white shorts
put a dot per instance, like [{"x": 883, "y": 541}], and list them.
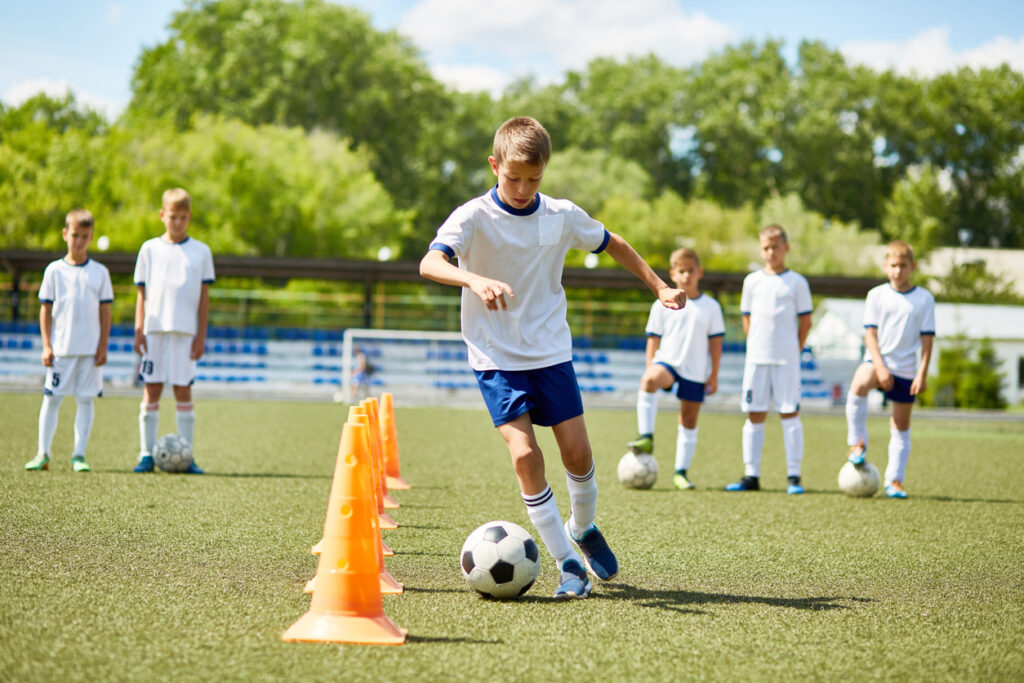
[
  {"x": 168, "y": 359},
  {"x": 78, "y": 375},
  {"x": 764, "y": 385}
]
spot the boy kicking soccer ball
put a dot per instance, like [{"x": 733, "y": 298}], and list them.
[
  {"x": 511, "y": 244},
  {"x": 684, "y": 349},
  {"x": 173, "y": 273},
  {"x": 899, "y": 319},
  {"x": 74, "y": 322}
]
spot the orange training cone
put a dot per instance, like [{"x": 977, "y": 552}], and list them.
[
  {"x": 347, "y": 606},
  {"x": 359, "y": 414},
  {"x": 373, "y": 410},
  {"x": 389, "y": 439}
]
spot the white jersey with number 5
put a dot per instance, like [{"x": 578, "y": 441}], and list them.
[
  {"x": 774, "y": 303},
  {"x": 76, "y": 293},
  {"x": 901, "y": 318},
  {"x": 173, "y": 275}
]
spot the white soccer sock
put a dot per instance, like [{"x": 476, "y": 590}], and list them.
[
  {"x": 48, "y": 415},
  {"x": 646, "y": 411},
  {"x": 899, "y": 453},
  {"x": 543, "y": 512},
  {"x": 753, "y": 444},
  {"x": 83, "y": 424},
  {"x": 149, "y": 422},
  {"x": 856, "y": 419},
  {"x": 793, "y": 438},
  {"x": 582, "y": 501},
  {"x": 185, "y": 419},
  {"x": 686, "y": 446}
]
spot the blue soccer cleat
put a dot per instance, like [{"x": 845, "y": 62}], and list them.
[
  {"x": 193, "y": 469},
  {"x": 794, "y": 488},
  {"x": 575, "y": 583},
  {"x": 145, "y": 464},
  {"x": 856, "y": 454},
  {"x": 747, "y": 483},
  {"x": 895, "y": 490},
  {"x": 599, "y": 558}
]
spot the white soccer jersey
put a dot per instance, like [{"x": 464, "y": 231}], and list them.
[
  {"x": 684, "y": 335},
  {"x": 76, "y": 293},
  {"x": 526, "y": 249},
  {"x": 901, "y": 318},
  {"x": 174, "y": 275},
  {"x": 774, "y": 304}
]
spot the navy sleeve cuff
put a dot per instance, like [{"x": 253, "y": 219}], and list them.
[
  {"x": 720, "y": 334},
  {"x": 604, "y": 243},
  {"x": 443, "y": 248}
]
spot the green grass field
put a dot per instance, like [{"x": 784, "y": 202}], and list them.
[{"x": 118, "y": 576}]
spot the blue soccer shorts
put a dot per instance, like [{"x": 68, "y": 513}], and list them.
[
  {"x": 551, "y": 395},
  {"x": 686, "y": 390}
]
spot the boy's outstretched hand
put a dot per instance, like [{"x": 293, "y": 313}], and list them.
[
  {"x": 672, "y": 298},
  {"x": 491, "y": 292}
]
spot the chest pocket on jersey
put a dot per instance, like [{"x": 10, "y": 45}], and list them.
[{"x": 550, "y": 230}]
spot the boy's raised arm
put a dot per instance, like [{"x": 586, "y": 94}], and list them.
[
  {"x": 438, "y": 267},
  {"x": 626, "y": 256}
]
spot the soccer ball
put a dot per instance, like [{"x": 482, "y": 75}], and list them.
[
  {"x": 500, "y": 560},
  {"x": 859, "y": 481},
  {"x": 637, "y": 471},
  {"x": 172, "y": 453}
]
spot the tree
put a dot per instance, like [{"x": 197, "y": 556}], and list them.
[
  {"x": 918, "y": 211},
  {"x": 963, "y": 382}
]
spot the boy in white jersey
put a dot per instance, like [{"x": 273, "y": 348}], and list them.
[
  {"x": 74, "y": 322},
  {"x": 899, "y": 319},
  {"x": 776, "y": 308},
  {"x": 511, "y": 245},
  {"x": 684, "y": 349},
  {"x": 173, "y": 273}
]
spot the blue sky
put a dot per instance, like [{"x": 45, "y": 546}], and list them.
[{"x": 91, "y": 46}]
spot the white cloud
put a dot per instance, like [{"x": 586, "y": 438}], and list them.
[
  {"x": 930, "y": 53},
  {"x": 114, "y": 14},
  {"x": 17, "y": 93},
  {"x": 548, "y": 37}
]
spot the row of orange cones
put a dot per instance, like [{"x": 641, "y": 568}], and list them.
[{"x": 347, "y": 606}]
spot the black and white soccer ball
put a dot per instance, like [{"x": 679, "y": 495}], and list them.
[
  {"x": 860, "y": 481},
  {"x": 500, "y": 560},
  {"x": 637, "y": 471},
  {"x": 172, "y": 453}
]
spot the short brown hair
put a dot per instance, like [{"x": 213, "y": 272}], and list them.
[
  {"x": 522, "y": 139},
  {"x": 899, "y": 248},
  {"x": 78, "y": 218},
  {"x": 177, "y": 198},
  {"x": 679, "y": 254},
  {"x": 774, "y": 230}
]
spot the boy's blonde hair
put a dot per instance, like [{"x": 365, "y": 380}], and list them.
[
  {"x": 899, "y": 248},
  {"x": 773, "y": 230},
  {"x": 79, "y": 218},
  {"x": 676, "y": 259},
  {"x": 177, "y": 198},
  {"x": 522, "y": 139}
]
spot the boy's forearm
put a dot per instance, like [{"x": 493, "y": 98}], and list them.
[
  {"x": 46, "y": 325},
  {"x": 204, "y": 312},
  {"x": 627, "y": 257},
  {"x": 140, "y": 309},
  {"x": 653, "y": 344},
  {"x": 436, "y": 266},
  {"x": 871, "y": 341},
  {"x": 803, "y": 330},
  {"x": 715, "y": 347},
  {"x": 104, "y": 325},
  {"x": 927, "y": 342}
]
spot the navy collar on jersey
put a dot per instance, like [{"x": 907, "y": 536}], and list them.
[
  {"x": 76, "y": 265},
  {"x": 176, "y": 244},
  {"x": 511, "y": 209},
  {"x": 912, "y": 288}
]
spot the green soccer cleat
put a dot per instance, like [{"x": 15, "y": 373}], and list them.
[
  {"x": 40, "y": 462},
  {"x": 78, "y": 464},
  {"x": 681, "y": 482},
  {"x": 642, "y": 444}
]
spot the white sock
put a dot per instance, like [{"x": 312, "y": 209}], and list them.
[
  {"x": 48, "y": 415},
  {"x": 185, "y": 419},
  {"x": 646, "y": 411},
  {"x": 856, "y": 419},
  {"x": 149, "y": 422},
  {"x": 753, "y": 444},
  {"x": 793, "y": 438},
  {"x": 582, "y": 501},
  {"x": 899, "y": 453},
  {"x": 686, "y": 446},
  {"x": 543, "y": 512},
  {"x": 83, "y": 424}
]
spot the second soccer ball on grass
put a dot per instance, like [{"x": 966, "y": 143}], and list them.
[
  {"x": 859, "y": 481},
  {"x": 172, "y": 453},
  {"x": 637, "y": 471}
]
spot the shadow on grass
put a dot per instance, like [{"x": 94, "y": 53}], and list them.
[
  {"x": 688, "y": 602},
  {"x": 468, "y": 641},
  {"x": 208, "y": 474}
]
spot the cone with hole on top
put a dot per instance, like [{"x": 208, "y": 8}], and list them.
[
  {"x": 389, "y": 440},
  {"x": 347, "y": 606}
]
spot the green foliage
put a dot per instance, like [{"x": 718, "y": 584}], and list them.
[
  {"x": 966, "y": 382},
  {"x": 973, "y": 283},
  {"x": 590, "y": 177},
  {"x": 918, "y": 211}
]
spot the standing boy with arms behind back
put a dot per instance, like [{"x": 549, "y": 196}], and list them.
[
  {"x": 173, "y": 273},
  {"x": 776, "y": 308},
  {"x": 74, "y": 322},
  {"x": 899, "y": 319},
  {"x": 684, "y": 349},
  {"x": 511, "y": 245}
]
